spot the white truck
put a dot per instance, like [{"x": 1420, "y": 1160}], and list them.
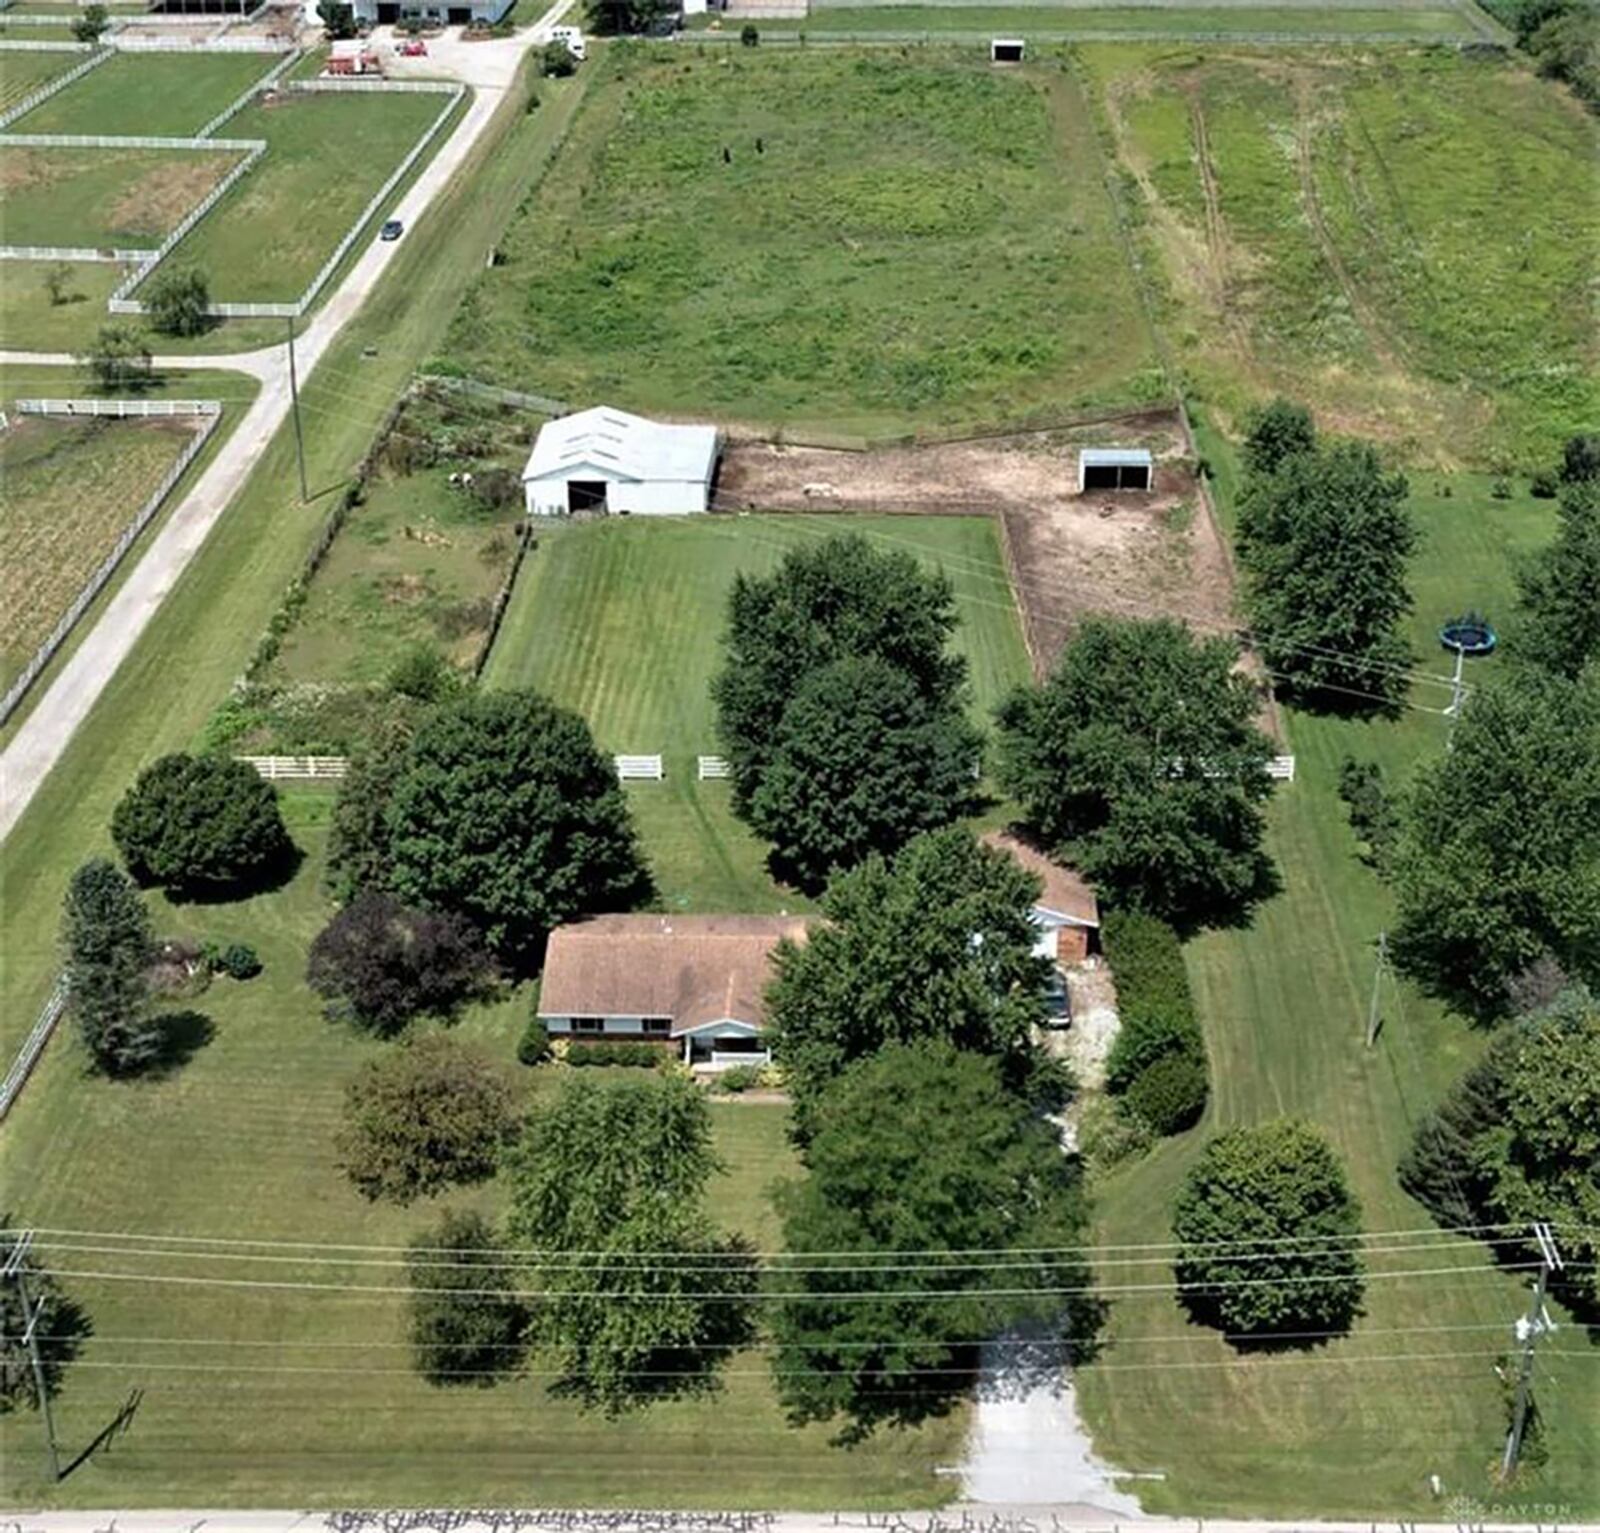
[{"x": 573, "y": 38}]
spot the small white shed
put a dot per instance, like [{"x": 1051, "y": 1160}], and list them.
[
  {"x": 1006, "y": 50},
  {"x": 608, "y": 460},
  {"x": 1115, "y": 468}
]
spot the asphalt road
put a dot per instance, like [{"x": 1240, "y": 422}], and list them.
[{"x": 45, "y": 733}]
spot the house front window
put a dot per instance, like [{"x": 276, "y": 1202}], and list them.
[{"x": 657, "y": 1027}]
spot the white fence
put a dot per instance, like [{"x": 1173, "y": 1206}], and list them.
[
  {"x": 38, "y": 45},
  {"x": 298, "y": 768},
  {"x": 709, "y": 767},
  {"x": 210, "y": 412},
  {"x": 124, "y": 141},
  {"x": 50, "y": 87},
  {"x": 126, "y": 42},
  {"x": 540, "y": 402},
  {"x": 639, "y": 768},
  {"x": 33, "y": 1046},
  {"x": 1281, "y": 768},
  {"x": 69, "y": 253}
]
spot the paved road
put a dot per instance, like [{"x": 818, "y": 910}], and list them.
[{"x": 38, "y": 744}]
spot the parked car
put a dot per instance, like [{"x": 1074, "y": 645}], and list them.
[
  {"x": 392, "y": 230},
  {"x": 412, "y": 48}
]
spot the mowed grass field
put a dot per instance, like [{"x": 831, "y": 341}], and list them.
[
  {"x": 269, "y": 236},
  {"x": 67, "y": 489},
  {"x": 165, "y": 95},
  {"x": 1353, "y": 1427},
  {"x": 846, "y": 240},
  {"x": 102, "y": 198},
  {"x": 622, "y": 620},
  {"x": 30, "y": 321},
  {"x": 1405, "y": 240},
  {"x": 1045, "y": 22},
  {"x": 309, "y": 1395},
  {"x": 23, "y": 72}
]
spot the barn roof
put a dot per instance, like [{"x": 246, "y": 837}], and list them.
[
  {"x": 694, "y": 969},
  {"x": 1065, "y": 894},
  {"x": 621, "y": 446},
  {"x": 1115, "y": 457}
]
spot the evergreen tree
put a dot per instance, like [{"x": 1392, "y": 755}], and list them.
[
  {"x": 1560, "y": 586},
  {"x": 108, "y": 943}
]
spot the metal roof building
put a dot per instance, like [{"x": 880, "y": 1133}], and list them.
[
  {"x": 1115, "y": 468},
  {"x": 608, "y": 460}
]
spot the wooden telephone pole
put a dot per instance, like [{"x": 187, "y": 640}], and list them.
[
  {"x": 16, "y": 1271},
  {"x": 1528, "y": 1329}
]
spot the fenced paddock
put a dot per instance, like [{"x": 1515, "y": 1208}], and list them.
[
  {"x": 82, "y": 479},
  {"x": 27, "y": 84}
]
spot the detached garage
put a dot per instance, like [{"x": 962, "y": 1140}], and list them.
[
  {"x": 1115, "y": 468},
  {"x": 608, "y": 460}
]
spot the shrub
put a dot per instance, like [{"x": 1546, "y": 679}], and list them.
[
  {"x": 238, "y": 961},
  {"x": 179, "y": 302},
  {"x": 91, "y": 23},
  {"x": 740, "y": 1079},
  {"x": 533, "y": 1048},
  {"x": 1144, "y": 1039},
  {"x": 749, "y": 36},
  {"x": 119, "y": 358},
  {"x": 465, "y": 1329},
  {"x": 1544, "y": 485},
  {"x": 201, "y": 823},
  {"x": 1109, "y": 1134},
  {"x": 1170, "y": 1094},
  {"x": 422, "y": 673},
  {"x": 556, "y": 60}
]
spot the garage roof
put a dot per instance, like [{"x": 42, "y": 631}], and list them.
[
  {"x": 1115, "y": 457},
  {"x": 621, "y": 446}
]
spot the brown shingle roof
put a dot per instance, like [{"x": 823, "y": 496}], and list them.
[
  {"x": 694, "y": 969},
  {"x": 1065, "y": 893}
]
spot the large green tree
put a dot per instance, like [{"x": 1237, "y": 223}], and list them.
[
  {"x": 829, "y": 601},
  {"x": 937, "y": 944},
  {"x": 1275, "y": 433},
  {"x": 1517, "y": 1139},
  {"x": 432, "y": 1113},
  {"x": 1498, "y": 862},
  {"x": 467, "y": 1322},
  {"x": 623, "y": 18},
  {"x": 1139, "y": 761},
  {"x": 1560, "y": 586},
  {"x": 202, "y": 824},
  {"x": 179, "y": 301},
  {"x": 1268, "y": 1233},
  {"x": 107, "y": 941},
  {"x": 60, "y": 1324},
  {"x": 647, "y": 1296},
  {"x": 1324, "y": 539},
  {"x": 861, "y": 762},
  {"x": 505, "y": 812},
  {"x": 358, "y": 845},
  {"x": 920, "y": 1148}
]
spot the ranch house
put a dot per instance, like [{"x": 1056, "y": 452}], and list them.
[
  {"x": 385, "y": 13},
  {"x": 693, "y": 982},
  {"x": 608, "y": 460}
]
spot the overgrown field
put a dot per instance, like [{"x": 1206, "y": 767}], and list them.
[
  {"x": 167, "y": 95},
  {"x": 1353, "y": 1426},
  {"x": 67, "y": 489},
  {"x": 622, "y": 621},
  {"x": 1404, "y": 240},
  {"x": 271, "y": 1389},
  {"x": 118, "y": 198},
  {"x": 326, "y": 157},
  {"x": 850, "y": 240}
]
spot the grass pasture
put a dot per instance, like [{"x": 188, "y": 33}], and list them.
[
  {"x": 67, "y": 489},
  {"x": 1047, "y": 22},
  {"x": 23, "y": 72},
  {"x": 622, "y": 621},
  {"x": 916, "y": 239},
  {"x": 28, "y": 319},
  {"x": 268, "y": 237},
  {"x": 1402, "y": 239},
  {"x": 103, "y": 198},
  {"x": 164, "y": 95}
]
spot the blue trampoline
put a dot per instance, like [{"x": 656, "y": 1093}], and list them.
[{"x": 1469, "y": 634}]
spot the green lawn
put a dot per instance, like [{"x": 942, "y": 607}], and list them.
[
  {"x": 869, "y": 266},
  {"x": 1044, "y": 22},
  {"x": 622, "y": 621},
  {"x": 1402, "y": 239},
  {"x": 67, "y": 490},
  {"x": 167, "y": 95},
  {"x": 304, "y": 191},
  {"x": 30, "y": 321},
  {"x": 236, "y": 1142},
  {"x": 22, "y": 73},
  {"x": 1353, "y": 1428},
  {"x": 103, "y": 198}
]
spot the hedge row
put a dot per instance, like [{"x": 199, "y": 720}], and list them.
[
  {"x": 1157, "y": 1065},
  {"x": 645, "y": 1055}
]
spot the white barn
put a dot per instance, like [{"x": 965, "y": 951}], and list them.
[
  {"x": 608, "y": 460},
  {"x": 1115, "y": 468}
]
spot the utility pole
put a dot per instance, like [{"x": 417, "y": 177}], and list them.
[
  {"x": 1377, "y": 986},
  {"x": 16, "y": 1269},
  {"x": 1528, "y": 1329},
  {"x": 294, "y": 399}
]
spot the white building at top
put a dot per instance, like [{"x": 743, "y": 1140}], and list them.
[{"x": 608, "y": 460}]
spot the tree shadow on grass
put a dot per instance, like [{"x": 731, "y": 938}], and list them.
[
  {"x": 267, "y": 879},
  {"x": 182, "y": 1035}
]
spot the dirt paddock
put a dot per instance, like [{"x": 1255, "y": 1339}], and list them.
[{"x": 1126, "y": 553}]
